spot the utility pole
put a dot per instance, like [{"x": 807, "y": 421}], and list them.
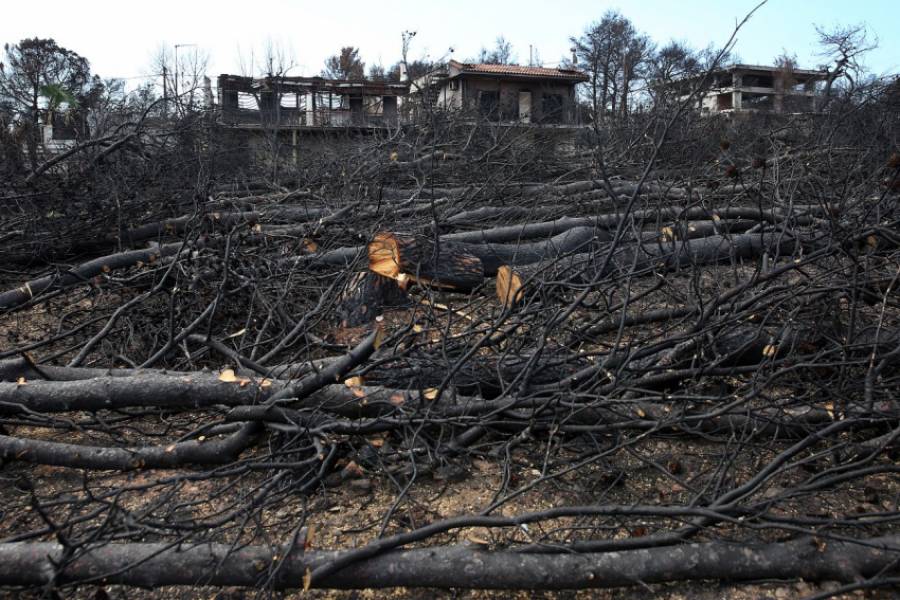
[
  {"x": 165, "y": 92},
  {"x": 177, "y": 99}
]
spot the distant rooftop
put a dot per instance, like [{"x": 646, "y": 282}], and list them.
[
  {"x": 459, "y": 68},
  {"x": 313, "y": 84},
  {"x": 770, "y": 68}
]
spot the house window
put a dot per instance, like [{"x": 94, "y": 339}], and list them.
[
  {"x": 454, "y": 85},
  {"x": 552, "y": 108},
  {"x": 489, "y": 105}
]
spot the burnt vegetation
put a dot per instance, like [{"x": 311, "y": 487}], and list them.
[{"x": 452, "y": 354}]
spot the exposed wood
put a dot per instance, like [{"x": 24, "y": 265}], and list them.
[
  {"x": 368, "y": 294},
  {"x": 408, "y": 258}
]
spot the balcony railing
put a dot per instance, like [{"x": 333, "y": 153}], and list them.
[{"x": 293, "y": 118}]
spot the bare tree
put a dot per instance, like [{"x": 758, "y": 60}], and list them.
[
  {"x": 844, "y": 46},
  {"x": 378, "y": 72},
  {"x": 614, "y": 55},
  {"x": 500, "y": 54},
  {"x": 182, "y": 72},
  {"x": 637, "y": 54},
  {"x": 672, "y": 62}
]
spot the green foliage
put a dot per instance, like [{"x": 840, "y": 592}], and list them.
[{"x": 345, "y": 65}]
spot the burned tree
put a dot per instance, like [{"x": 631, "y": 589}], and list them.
[{"x": 845, "y": 47}]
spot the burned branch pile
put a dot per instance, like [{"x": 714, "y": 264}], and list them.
[{"x": 463, "y": 356}]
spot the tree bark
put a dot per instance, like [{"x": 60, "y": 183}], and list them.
[
  {"x": 154, "y": 565},
  {"x": 198, "y": 390},
  {"x": 180, "y": 454},
  {"x": 661, "y": 256}
]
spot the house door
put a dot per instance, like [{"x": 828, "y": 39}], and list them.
[
  {"x": 525, "y": 107},
  {"x": 389, "y": 106},
  {"x": 357, "y": 116}
]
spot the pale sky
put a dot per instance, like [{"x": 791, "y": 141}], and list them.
[{"x": 119, "y": 38}]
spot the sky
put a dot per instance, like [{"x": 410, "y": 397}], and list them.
[{"x": 121, "y": 38}]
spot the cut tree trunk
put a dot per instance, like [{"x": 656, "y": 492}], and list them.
[
  {"x": 601, "y": 224},
  {"x": 409, "y": 258},
  {"x": 494, "y": 256},
  {"x": 689, "y": 230}
]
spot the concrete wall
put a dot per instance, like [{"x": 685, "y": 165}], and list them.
[{"x": 451, "y": 99}]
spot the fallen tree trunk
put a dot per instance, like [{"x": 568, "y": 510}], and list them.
[
  {"x": 688, "y": 230},
  {"x": 84, "y": 272},
  {"x": 529, "y": 231},
  {"x": 512, "y": 233},
  {"x": 154, "y": 565},
  {"x": 662, "y": 256},
  {"x": 613, "y": 323},
  {"x": 213, "y": 452},
  {"x": 189, "y": 391},
  {"x": 194, "y": 392},
  {"x": 13, "y": 368},
  {"x": 493, "y": 256},
  {"x": 490, "y": 214},
  {"x": 177, "y": 226}
]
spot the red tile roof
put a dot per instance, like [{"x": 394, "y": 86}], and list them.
[{"x": 518, "y": 71}]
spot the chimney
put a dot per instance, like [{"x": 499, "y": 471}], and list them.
[
  {"x": 207, "y": 92},
  {"x": 574, "y": 57},
  {"x": 404, "y": 76}
]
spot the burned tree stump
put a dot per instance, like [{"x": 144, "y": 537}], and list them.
[{"x": 367, "y": 296}]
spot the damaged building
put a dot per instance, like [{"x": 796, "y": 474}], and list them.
[
  {"x": 744, "y": 88},
  {"x": 281, "y": 113},
  {"x": 502, "y": 93},
  {"x": 296, "y": 103}
]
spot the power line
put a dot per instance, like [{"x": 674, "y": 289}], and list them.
[{"x": 148, "y": 76}]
